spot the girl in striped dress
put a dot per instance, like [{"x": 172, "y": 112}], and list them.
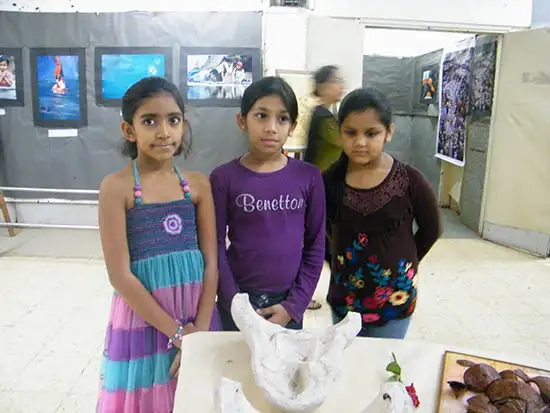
[{"x": 158, "y": 234}]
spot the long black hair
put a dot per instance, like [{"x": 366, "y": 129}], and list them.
[
  {"x": 334, "y": 178},
  {"x": 132, "y": 101},
  {"x": 270, "y": 86}
]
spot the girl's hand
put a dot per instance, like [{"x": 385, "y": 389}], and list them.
[
  {"x": 278, "y": 314},
  {"x": 175, "y": 368},
  {"x": 189, "y": 328}
]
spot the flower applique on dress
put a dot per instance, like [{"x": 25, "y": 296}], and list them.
[{"x": 362, "y": 284}]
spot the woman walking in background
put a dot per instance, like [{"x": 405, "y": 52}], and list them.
[
  {"x": 323, "y": 148},
  {"x": 320, "y": 125}
]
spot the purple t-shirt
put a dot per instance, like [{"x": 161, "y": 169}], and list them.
[{"x": 276, "y": 227}]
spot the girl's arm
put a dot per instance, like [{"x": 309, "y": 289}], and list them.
[
  {"x": 426, "y": 212},
  {"x": 206, "y": 227},
  {"x": 313, "y": 253},
  {"x": 227, "y": 287},
  {"x": 112, "y": 229}
]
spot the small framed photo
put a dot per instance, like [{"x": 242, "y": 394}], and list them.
[
  {"x": 429, "y": 84},
  {"x": 11, "y": 77},
  {"x": 218, "y": 76},
  {"x": 118, "y": 68},
  {"x": 59, "y": 87}
]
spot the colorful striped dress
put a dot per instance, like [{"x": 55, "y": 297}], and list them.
[{"x": 165, "y": 257}]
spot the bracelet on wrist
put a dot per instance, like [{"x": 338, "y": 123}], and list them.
[{"x": 178, "y": 335}]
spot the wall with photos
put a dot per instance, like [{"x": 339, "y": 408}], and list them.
[
  {"x": 416, "y": 124},
  {"x": 417, "y": 117},
  {"x": 79, "y": 162},
  {"x": 49, "y": 155},
  {"x": 517, "y": 209}
]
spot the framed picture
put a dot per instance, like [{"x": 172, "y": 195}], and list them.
[
  {"x": 118, "y": 68},
  {"x": 483, "y": 78},
  {"x": 11, "y": 77},
  {"x": 218, "y": 76},
  {"x": 429, "y": 84},
  {"x": 59, "y": 87},
  {"x": 454, "y": 105}
]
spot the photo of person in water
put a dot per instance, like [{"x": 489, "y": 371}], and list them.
[{"x": 58, "y": 86}]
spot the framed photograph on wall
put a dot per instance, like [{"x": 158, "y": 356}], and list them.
[
  {"x": 218, "y": 76},
  {"x": 429, "y": 84},
  {"x": 58, "y": 79},
  {"x": 483, "y": 77},
  {"x": 454, "y": 101},
  {"x": 118, "y": 68},
  {"x": 11, "y": 77}
]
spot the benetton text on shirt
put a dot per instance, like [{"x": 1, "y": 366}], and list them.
[{"x": 249, "y": 203}]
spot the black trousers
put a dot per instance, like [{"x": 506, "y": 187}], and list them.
[{"x": 258, "y": 300}]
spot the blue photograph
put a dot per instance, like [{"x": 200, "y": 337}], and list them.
[
  {"x": 120, "y": 71},
  {"x": 58, "y": 86}
]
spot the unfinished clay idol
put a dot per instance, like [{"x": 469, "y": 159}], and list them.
[
  {"x": 231, "y": 399},
  {"x": 393, "y": 398},
  {"x": 294, "y": 368}
]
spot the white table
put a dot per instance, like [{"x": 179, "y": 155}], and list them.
[
  {"x": 206, "y": 357},
  {"x": 297, "y": 150}
]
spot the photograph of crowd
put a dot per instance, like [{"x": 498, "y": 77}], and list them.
[
  {"x": 483, "y": 79},
  {"x": 454, "y": 105}
]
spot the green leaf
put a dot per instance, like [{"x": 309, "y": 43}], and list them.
[
  {"x": 394, "y": 368},
  {"x": 394, "y": 378}
]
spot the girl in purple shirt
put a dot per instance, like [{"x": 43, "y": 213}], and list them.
[{"x": 273, "y": 210}]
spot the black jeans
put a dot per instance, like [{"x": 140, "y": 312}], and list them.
[{"x": 258, "y": 300}]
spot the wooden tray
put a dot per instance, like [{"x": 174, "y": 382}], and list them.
[{"x": 448, "y": 403}]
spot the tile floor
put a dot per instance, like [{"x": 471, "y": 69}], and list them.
[{"x": 55, "y": 298}]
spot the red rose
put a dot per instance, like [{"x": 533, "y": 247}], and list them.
[{"x": 412, "y": 393}]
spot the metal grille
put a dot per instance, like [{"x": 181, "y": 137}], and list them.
[{"x": 290, "y": 3}]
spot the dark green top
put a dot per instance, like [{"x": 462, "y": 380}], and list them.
[{"x": 323, "y": 148}]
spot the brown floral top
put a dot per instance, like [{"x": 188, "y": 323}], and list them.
[{"x": 374, "y": 252}]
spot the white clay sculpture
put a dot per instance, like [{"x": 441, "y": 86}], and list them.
[
  {"x": 231, "y": 399},
  {"x": 393, "y": 398},
  {"x": 294, "y": 368}
]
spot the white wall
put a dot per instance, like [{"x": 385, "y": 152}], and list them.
[
  {"x": 503, "y": 13},
  {"x": 407, "y": 43},
  {"x": 541, "y": 13},
  {"x": 285, "y": 39},
  {"x": 470, "y": 12},
  {"x": 338, "y": 42},
  {"x": 298, "y": 40},
  {"x": 129, "y": 5},
  {"x": 517, "y": 188}
]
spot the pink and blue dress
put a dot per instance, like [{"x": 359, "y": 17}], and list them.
[{"x": 165, "y": 257}]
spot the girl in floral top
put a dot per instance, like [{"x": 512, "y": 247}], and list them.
[{"x": 372, "y": 202}]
